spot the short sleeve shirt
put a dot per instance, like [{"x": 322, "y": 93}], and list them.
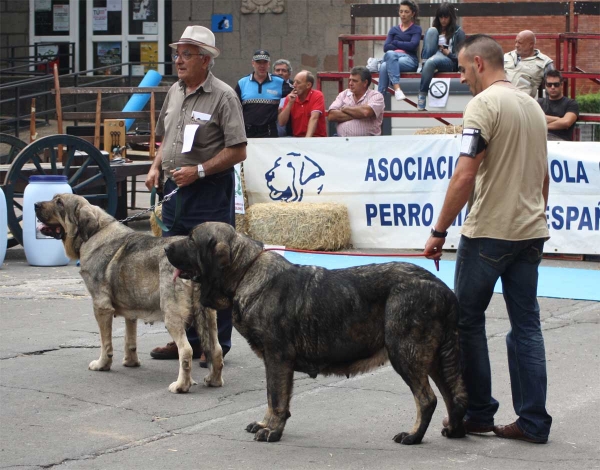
[
  {"x": 507, "y": 202},
  {"x": 559, "y": 108},
  {"x": 301, "y": 111},
  {"x": 214, "y": 107},
  {"x": 360, "y": 127}
]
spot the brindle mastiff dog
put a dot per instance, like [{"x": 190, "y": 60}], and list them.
[
  {"x": 128, "y": 275},
  {"x": 319, "y": 321}
]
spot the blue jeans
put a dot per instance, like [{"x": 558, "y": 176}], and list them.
[
  {"x": 479, "y": 264},
  {"x": 396, "y": 62},
  {"x": 208, "y": 200},
  {"x": 384, "y": 80},
  {"x": 434, "y": 60}
]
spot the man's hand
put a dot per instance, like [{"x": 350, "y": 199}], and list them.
[
  {"x": 292, "y": 97},
  {"x": 433, "y": 247},
  {"x": 153, "y": 178},
  {"x": 185, "y": 176}
]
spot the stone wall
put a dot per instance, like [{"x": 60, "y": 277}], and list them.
[
  {"x": 305, "y": 33},
  {"x": 14, "y": 26}
]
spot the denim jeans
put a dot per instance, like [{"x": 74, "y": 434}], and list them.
[
  {"x": 434, "y": 60},
  {"x": 395, "y": 63},
  {"x": 479, "y": 264},
  {"x": 384, "y": 80}
]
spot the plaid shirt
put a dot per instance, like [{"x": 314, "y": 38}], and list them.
[{"x": 360, "y": 127}]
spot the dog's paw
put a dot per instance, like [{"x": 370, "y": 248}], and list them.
[
  {"x": 406, "y": 438},
  {"x": 212, "y": 381},
  {"x": 131, "y": 362},
  {"x": 99, "y": 365},
  {"x": 255, "y": 427},
  {"x": 267, "y": 435},
  {"x": 177, "y": 387},
  {"x": 454, "y": 433}
]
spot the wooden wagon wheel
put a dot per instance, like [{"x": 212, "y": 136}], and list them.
[
  {"x": 10, "y": 146},
  {"x": 88, "y": 171}
]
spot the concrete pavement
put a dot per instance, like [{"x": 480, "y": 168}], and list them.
[{"x": 55, "y": 413}]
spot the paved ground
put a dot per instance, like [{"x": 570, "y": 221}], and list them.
[{"x": 55, "y": 413}]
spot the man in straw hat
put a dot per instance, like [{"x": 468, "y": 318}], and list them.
[{"x": 203, "y": 138}]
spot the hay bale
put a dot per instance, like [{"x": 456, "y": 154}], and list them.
[
  {"x": 440, "y": 130},
  {"x": 301, "y": 225}
]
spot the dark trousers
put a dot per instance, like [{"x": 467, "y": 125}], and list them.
[
  {"x": 480, "y": 262},
  {"x": 211, "y": 199},
  {"x": 266, "y": 131}
]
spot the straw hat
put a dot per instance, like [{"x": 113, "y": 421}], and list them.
[{"x": 198, "y": 36}]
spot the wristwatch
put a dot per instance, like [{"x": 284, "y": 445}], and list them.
[
  {"x": 436, "y": 234},
  {"x": 201, "y": 173}
]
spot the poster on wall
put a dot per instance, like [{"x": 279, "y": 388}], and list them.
[
  {"x": 144, "y": 10},
  {"x": 42, "y": 5},
  {"x": 109, "y": 53},
  {"x": 61, "y": 18},
  {"x": 150, "y": 27},
  {"x": 100, "y": 19},
  {"x": 113, "y": 5},
  {"x": 149, "y": 55}
]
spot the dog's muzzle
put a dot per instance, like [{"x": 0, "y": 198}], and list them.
[{"x": 54, "y": 231}]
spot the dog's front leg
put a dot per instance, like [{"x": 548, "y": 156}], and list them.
[
  {"x": 184, "y": 380},
  {"x": 131, "y": 356},
  {"x": 280, "y": 380},
  {"x": 104, "y": 318},
  {"x": 208, "y": 334}
]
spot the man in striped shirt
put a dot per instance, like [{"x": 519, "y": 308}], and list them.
[{"x": 358, "y": 110}]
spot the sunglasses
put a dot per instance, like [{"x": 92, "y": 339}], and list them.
[
  {"x": 185, "y": 55},
  {"x": 553, "y": 84}
]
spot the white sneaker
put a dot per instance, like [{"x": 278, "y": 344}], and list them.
[{"x": 399, "y": 95}]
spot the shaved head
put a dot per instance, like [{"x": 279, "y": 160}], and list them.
[
  {"x": 485, "y": 47},
  {"x": 525, "y": 43}
]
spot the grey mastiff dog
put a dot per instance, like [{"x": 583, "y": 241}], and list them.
[
  {"x": 319, "y": 321},
  {"x": 128, "y": 275}
]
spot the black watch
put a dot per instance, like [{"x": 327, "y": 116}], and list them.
[{"x": 436, "y": 234}]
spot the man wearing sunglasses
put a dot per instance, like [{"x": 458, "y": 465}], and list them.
[
  {"x": 203, "y": 137},
  {"x": 561, "y": 112}
]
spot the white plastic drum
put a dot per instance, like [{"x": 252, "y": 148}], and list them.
[
  {"x": 41, "y": 250},
  {"x": 3, "y": 227}
]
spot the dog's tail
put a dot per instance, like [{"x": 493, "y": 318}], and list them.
[{"x": 452, "y": 381}]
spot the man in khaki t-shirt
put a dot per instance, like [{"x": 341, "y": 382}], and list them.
[{"x": 503, "y": 173}]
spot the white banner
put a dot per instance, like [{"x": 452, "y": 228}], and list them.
[{"x": 394, "y": 186}]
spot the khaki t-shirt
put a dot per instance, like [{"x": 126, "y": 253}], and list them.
[
  {"x": 507, "y": 202},
  {"x": 214, "y": 107}
]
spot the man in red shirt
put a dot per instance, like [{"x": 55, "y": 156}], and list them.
[{"x": 305, "y": 107}]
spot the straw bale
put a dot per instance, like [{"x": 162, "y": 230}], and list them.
[
  {"x": 301, "y": 225},
  {"x": 440, "y": 130}
]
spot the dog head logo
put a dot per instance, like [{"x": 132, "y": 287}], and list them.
[{"x": 291, "y": 176}]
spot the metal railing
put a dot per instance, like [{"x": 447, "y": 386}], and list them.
[
  {"x": 15, "y": 97},
  {"x": 13, "y": 62}
]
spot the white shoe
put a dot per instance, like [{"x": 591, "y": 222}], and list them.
[{"x": 399, "y": 95}]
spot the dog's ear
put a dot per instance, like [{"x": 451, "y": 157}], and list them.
[
  {"x": 87, "y": 221},
  {"x": 222, "y": 255}
]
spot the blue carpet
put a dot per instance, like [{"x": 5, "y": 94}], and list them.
[{"x": 560, "y": 283}]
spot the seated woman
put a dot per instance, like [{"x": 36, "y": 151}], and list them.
[
  {"x": 440, "y": 49},
  {"x": 400, "y": 49}
]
